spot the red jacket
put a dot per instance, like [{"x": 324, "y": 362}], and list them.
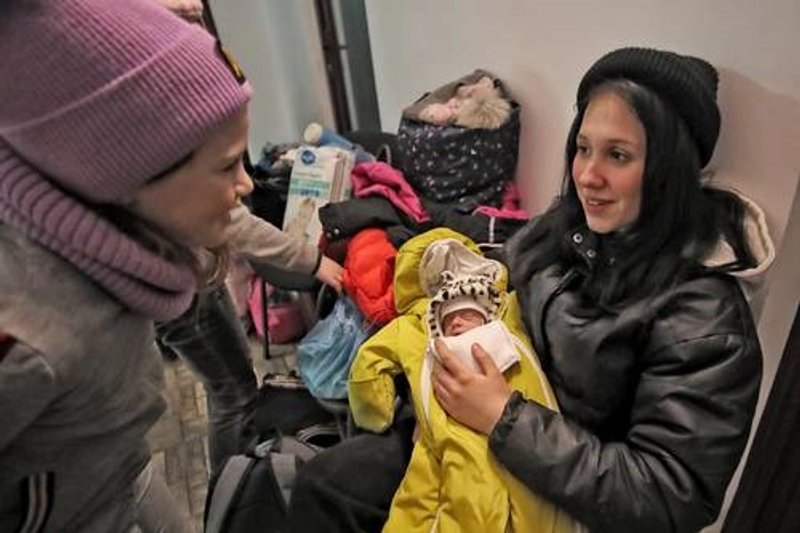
[{"x": 369, "y": 274}]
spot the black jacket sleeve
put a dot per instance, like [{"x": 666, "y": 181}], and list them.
[{"x": 691, "y": 415}]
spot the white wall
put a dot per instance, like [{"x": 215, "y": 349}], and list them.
[
  {"x": 277, "y": 44},
  {"x": 541, "y": 48}
]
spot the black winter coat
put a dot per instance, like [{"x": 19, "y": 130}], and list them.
[{"x": 656, "y": 402}]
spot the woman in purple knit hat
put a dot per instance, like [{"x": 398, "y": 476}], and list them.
[{"x": 122, "y": 130}]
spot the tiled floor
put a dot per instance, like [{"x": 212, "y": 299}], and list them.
[{"x": 179, "y": 440}]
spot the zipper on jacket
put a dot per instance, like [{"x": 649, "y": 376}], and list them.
[
  {"x": 38, "y": 494},
  {"x": 571, "y": 274}
]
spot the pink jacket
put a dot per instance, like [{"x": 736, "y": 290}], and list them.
[{"x": 378, "y": 178}]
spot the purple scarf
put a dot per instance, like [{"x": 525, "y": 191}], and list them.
[{"x": 142, "y": 280}]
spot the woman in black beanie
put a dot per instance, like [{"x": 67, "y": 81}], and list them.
[{"x": 632, "y": 287}]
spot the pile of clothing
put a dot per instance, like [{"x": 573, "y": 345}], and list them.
[{"x": 450, "y": 165}]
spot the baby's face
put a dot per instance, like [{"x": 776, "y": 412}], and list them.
[{"x": 458, "y": 322}]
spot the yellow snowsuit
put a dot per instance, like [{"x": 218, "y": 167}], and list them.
[{"x": 453, "y": 483}]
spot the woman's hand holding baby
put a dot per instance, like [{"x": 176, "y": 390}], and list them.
[{"x": 476, "y": 399}]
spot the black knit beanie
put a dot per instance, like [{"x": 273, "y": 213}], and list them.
[{"x": 688, "y": 83}]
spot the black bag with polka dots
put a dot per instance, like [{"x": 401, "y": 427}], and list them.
[{"x": 453, "y": 164}]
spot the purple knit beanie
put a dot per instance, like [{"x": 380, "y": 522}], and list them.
[
  {"x": 100, "y": 115},
  {"x": 97, "y": 97}
]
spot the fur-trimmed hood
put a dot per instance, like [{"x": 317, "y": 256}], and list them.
[{"x": 759, "y": 242}]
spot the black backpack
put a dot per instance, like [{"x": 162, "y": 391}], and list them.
[
  {"x": 288, "y": 427},
  {"x": 252, "y": 492}
]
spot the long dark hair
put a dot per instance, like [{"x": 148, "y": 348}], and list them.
[{"x": 679, "y": 223}]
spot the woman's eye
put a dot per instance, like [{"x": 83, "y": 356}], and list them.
[
  {"x": 619, "y": 156},
  {"x": 582, "y": 149}
]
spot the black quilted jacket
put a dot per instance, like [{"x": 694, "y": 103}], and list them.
[{"x": 656, "y": 403}]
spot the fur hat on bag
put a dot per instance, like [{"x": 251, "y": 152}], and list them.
[
  {"x": 97, "y": 99},
  {"x": 474, "y": 105},
  {"x": 483, "y": 112},
  {"x": 687, "y": 83}
]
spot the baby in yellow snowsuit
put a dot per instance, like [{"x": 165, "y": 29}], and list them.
[{"x": 453, "y": 483}]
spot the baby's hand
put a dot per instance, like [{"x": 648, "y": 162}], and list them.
[{"x": 330, "y": 273}]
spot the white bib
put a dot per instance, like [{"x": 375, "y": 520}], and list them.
[{"x": 493, "y": 337}]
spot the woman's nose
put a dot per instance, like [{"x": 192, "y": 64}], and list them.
[{"x": 589, "y": 174}]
